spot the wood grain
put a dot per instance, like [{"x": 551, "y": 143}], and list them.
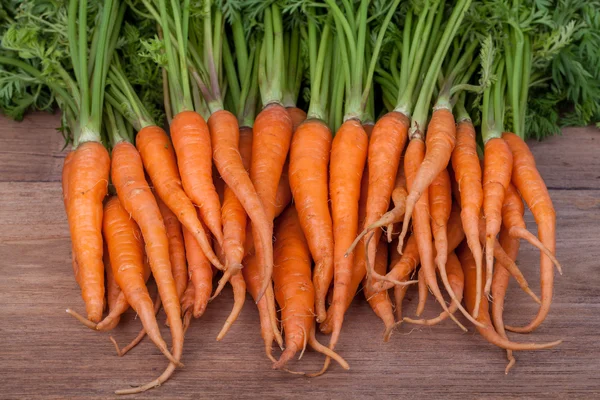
[{"x": 46, "y": 354}]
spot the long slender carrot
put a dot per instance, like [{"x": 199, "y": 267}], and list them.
[
  {"x": 497, "y": 171},
  {"x": 457, "y": 282},
  {"x": 380, "y": 301},
  {"x": 87, "y": 187},
  {"x": 440, "y": 140},
  {"x": 268, "y": 327},
  {"x": 309, "y": 160},
  {"x": 467, "y": 173},
  {"x": 191, "y": 142},
  {"x": 413, "y": 159},
  {"x": 385, "y": 147},
  {"x": 176, "y": 246},
  {"x": 65, "y": 189},
  {"x": 530, "y": 184},
  {"x": 470, "y": 270},
  {"x": 294, "y": 289},
  {"x": 225, "y": 142},
  {"x": 200, "y": 273},
  {"x": 159, "y": 161},
  {"x": 136, "y": 197},
  {"x": 239, "y": 296},
  {"x": 500, "y": 282}
]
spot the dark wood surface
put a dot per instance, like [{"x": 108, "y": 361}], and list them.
[{"x": 45, "y": 353}]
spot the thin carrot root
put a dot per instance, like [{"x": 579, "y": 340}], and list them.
[
  {"x": 388, "y": 219},
  {"x": 286, "y": 356},
  {"x": 387, "y": 334},
  {"x": 423, "y": 293},
  {"x": 150, "y": 385},
  {"x": 139, "y": 337},
  {"x": 187, "y": 319},
  {"x": 229, "y": 272},
  {"x": 511, "y": 361},
  {"x": 314, "y": 343},
  {"x": 399, "y": 293},
  {"x": 518, "y": 232},
  {"x": 82, "y": 319},
  {"x": 239, "y": 297}
]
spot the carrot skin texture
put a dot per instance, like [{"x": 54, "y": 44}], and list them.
[
  {"x": 497, "y": 172},
  {"x": 440, "y": 140},
  {"x": 270, "y": 146},
  {"x": 283, "y": 196},
  {"x": 348, "y": 159},
  {"x": 225, "y": 139},
  {"x": 65, "y": 189},
  {"x": 200, "y": 272},
  {"x": 469, "y": 268},
  {"x": 386, "y": 143},
  {"x": 191, "y": 142},
  {"x": 160, "y": 163},
  {"x": 87, "y": 187},
  {"x": 176, "y": 246},
  {"x": 308, "y": 174},
  {"x": 136, "y": 197},
  {"x": 297, "y": 115},
  {"x": 530, "y": 184}
]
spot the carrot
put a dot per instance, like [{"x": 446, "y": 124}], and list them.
[
  {"x": 512, "y": 218},
  {"x": 395, "y": 258},
  {"x": 87, "y": 187},
  {"x": 297, "y": 115},
  {"x": 380, "y": 301},
  {"x": 423, "y": 292},
  {"x": 456, "y": 280},
  {"x": 159, "y": 161},
  {"x": 268, "y": 325},
  {"x": 422, "y": 229},
  {"x": 138, "y": 200},
  {"x": 440, "y": 140},
  {"x": 467, "y": 173},
  {"x": 497, "y": 171},
  {"x": 126, "y": 255},
  {"x": 500, "y": 282},
  {"x": 309, "y": 160},
  {"x": 239, "y": 296},
  {"x": 176, "y": 247},
  {"x": 65, "y": 189},
  {"x": 530, "y": 184},
  {"x": 225, "y": 140},
  {"x": 283, "y": 196},
  {"x": 191, "y": 142},
  {"x": 385, "y": 147},
  {"x": 200, "y": 273},
  {"x": 470, "y": 270},
  {"x": 294, "y": 290},
  {"x": 270, "y": 145},
  {"x": 187, "y": 304},
  {"x": 122, "y": 351}
]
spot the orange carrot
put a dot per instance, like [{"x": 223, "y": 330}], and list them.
[
  {"x": 239, "y": 296},
  {"x": 87, "y": 187},
  {"x": 297, "y": 115},
  {"x": 467, "y": 173},
  {"x": 530, "y": 184},
  {"x": 470, "y": 270},
  {"x": 309, "y": 161},
  {"x": 200, "y": 273},
  {"x": 283, "y": 197},
  {"x": 128, "y": 176},
  {"x": 294, "y": 290},
  {"x": 413, "y": 160},
  {"x": 440, "y": 138},
  {"x": 385, "y": 147},
  {"x": 268, "y": 325},
  {"x": 270, "y": 145},
  {"x": 191, "y": 142},
  {"x": 176, "y": 247},
  {"x": 225, "y": 140},
  {"x": 423, "y": 292},
  {"x": 187, "y": 304},
  {"x": 65, "y": 189},
  {"x": 497, "y": 170},
  {"x": 380, "y": 301},
  {"x": 159, "y": 161}
]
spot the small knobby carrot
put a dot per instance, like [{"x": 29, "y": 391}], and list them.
[
  {"x": 200, "y": 273},
  {"x": 487, "y": 331},
  {"x": 467, "y": 173},
  {"x": 176, "y": 246},
  {"x": 530, "y": 184},
  {"x": 440, "y": 140},
  {"x": 385, "y": 147},
  {"x": 128, "y": 176},
  {"x": 159, "y": 161},
  {"x": 268, "y": 325},
  {"x": 191, "y": 141},
  {"x": 457, "y": 282},
  {"x": 422, "y": 228},
  {"x": 497, "y": 170},
  {"x": 309, "y": 162},
  {"x": 225, "y": 140},
  {"x": 380, "y": 301},
  {"x": 294, "y": 289},
  {"x": 87, "y": 187}
]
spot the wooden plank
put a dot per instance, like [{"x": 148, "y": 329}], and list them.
[{"x": 45, "y": 353}]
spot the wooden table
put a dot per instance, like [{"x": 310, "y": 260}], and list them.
[{"x": 46, "y": 353}]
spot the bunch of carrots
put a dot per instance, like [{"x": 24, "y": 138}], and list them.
[{"x": 313, "y": 147}]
